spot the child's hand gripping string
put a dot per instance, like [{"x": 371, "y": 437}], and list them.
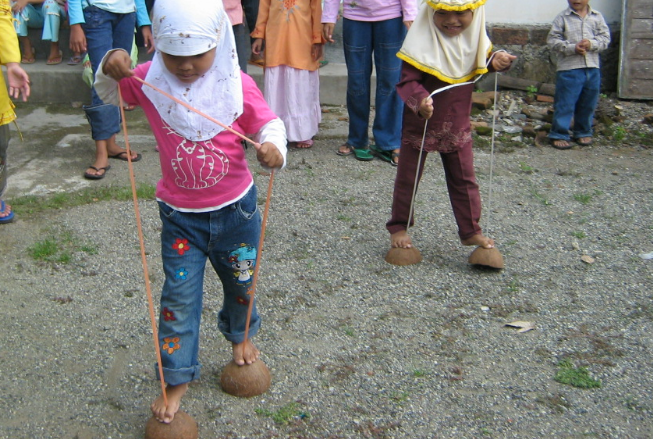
[
  {"x": 117, "y": 65},
  {"x": 501, "y": 61}
]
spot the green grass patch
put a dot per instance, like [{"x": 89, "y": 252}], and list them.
[
  {"x": 32, "y": 205},
  {"x": 59, "y": 247},
  {"x": 575, "y": 376},
  {"x": 284, "y": 414}
]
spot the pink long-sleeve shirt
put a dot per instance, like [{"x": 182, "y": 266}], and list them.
[
  {"x": 203, "y": 175},
  {"x": 369, "y": 10}
]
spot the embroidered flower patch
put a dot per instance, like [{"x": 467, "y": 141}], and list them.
[
  {"x": 171, "y": 344},
  {"x": 168, "y": 315},
  {"x": 181, "y": 273},
  {"x": 181, "y": 245}
]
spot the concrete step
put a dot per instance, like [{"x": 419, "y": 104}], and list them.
[{"x": 63, "y": 84}]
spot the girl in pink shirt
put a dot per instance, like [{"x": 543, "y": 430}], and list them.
[{"x": 207, "y": 197}]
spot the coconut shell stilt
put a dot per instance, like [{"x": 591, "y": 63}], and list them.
[
  {"x": 487, "y": 257},
  {"x": 247, "y": 380},
  {"x": 403, "y": 256},
  {"x": 183, "y": 426}
]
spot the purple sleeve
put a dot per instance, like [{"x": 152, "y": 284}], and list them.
[{"x": 410, "y": 87}]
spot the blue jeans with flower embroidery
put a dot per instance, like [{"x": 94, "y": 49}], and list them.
[{"x": 229, "y": 239}]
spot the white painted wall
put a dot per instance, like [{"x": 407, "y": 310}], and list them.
[{"x": 543, "y": 11}]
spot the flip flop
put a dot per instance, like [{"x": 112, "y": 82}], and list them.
[
  {"x": 55, "y": 61},
  {"x": 6, "y": 219},
  {"x": 123, "y": 156},
  {"x": 581, "y": 143},
  {"x": 75, "y": 59},
  {"x": 552, "y": 142},
  {"x": 350, "y": 150},
  {"x": 395, "y": 155},
  {"x": 29, "y": 60},
  {"x": 304, "y": 144},
  {"x": 363, "y": 154},
  {"x": 384, "y": 155},
  {"x": 96, "y": 176}
]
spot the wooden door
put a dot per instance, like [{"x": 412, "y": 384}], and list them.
[{"x": 636, "y": 60}]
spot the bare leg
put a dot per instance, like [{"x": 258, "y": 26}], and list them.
[
  {"x": 167, "y": 413},
  {"x": 401, "y": 239},
  {"x": 6, "y": 212},
  {"x": 28, "y": 50},
  {"x": 479, "y": 240},
  {"x": 245, "y": 353},
  {"x": 104, "y": 148},
  {"x": 55, "y": 52}
]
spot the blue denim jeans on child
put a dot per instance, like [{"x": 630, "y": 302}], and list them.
[
  {"x": 576, "y": 95},
  {"x": 105, "y": 31},
  {"x": 229, "y": 239},
  {"x": 383, "y": 39}
]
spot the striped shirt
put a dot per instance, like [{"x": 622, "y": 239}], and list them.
[{"x": 568, "y": 29}]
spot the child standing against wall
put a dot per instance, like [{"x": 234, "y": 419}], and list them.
[
  {"x": 444, "y": 30},
  {"x": 293, "y": 47},
  {"x": 578, "y": 34},
  {"x": 207, "y": 197}
]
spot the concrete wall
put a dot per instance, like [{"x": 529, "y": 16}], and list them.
[{"x": 527, "y": 12}]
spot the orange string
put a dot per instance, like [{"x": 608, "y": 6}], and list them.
[
  {"x": 252, "y": 290},
  {"x": 155, "y": 333}
]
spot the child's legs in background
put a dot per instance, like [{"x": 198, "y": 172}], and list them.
[
  {"x": 387, "y": 36},
  {"x": 586, "y": 104},
  {"x": 403, "y": 190},
  {"x": 241, "y": 45},
  {"x": 105, "y": 31},
  {"x": 4, "y": 145},
  {"x": 294, "y": 96},
  {"x": 53, "y": 14},
  {"x": 184, "y": 239},
  {"x": 357, "y": 40},
  {"x": 569, "y": 85},
  {"x": 30, "y": 18},
  {"x": 463, "y": 191},
  {"x": 232, "y": 253}
]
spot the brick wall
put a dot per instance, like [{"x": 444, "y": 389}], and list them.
[{"x": 534, "y": 60}]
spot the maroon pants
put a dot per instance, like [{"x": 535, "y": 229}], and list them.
[{"x": 461, "y": 183}]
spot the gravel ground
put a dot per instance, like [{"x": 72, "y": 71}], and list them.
[{"x": 357, "y": 348}]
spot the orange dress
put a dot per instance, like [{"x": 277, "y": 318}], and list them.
[{"x": 289, "y": 28}]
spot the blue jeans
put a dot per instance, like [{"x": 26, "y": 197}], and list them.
[
  {"x": 576, "y": 95},
  {"x": 229, "y": 239},
  {"x": 361, "y": 40},
  {"x": 105, "y": 31}
]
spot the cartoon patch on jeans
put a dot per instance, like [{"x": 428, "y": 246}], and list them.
[{"x": 242, "y": 260}]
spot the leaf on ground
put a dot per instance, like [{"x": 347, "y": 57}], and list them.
[
  {"x": 522, "y": 325},
  {"x": 587, "y": 259}
]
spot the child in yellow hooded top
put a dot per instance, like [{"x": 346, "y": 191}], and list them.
[{"x": 446, "y": 45}]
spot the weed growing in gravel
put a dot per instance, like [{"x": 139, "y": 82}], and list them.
[
  {"x": 284, "y": 414},
  {"x": 58, "y": 247},
  {"x": 541, "y": 198},
  {"x": 585, "y": 198},
  {"x": 526, "y": 169},
  {"x": 31, "y": 204},
  {"x": 575, "y": 376},
  {"x": 419, "y": 373},
  {"x": 579, "y": 234}
]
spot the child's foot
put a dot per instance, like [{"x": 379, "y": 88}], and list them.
[
  {"x": 245, "y": 353},
  {"x": 401, "y": 239},
  {"x": 174, "y": 394},
  {"x": 479, "y": 240}
]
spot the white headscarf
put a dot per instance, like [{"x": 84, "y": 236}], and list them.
[
  {"x": 186, "y": 28},
  {"x": 451, "y": 59}
]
